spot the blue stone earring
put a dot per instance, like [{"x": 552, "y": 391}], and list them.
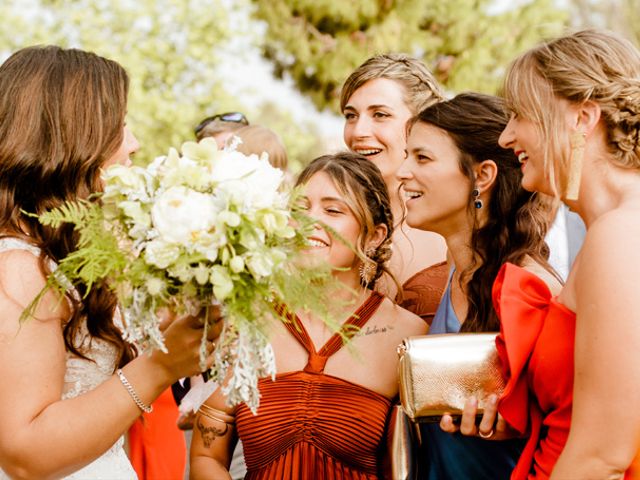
[{"x": 476, "y": 198}]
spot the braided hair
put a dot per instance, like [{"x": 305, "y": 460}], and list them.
[{"x": 364, "y": 190}]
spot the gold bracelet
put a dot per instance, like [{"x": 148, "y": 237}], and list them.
[
  {"x": 217, "y": 415},
  {"x": 133, "y": 394}
]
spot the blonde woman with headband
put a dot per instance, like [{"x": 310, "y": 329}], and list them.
[
  {"x": 377, "y": 100},
  {"x": 575, "y": 127}
]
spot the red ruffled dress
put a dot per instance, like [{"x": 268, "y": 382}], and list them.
[
  {"x": 311, "y": 425},
  {"x": 535, "y": 345}
]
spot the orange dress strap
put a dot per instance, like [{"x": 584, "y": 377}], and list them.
[{"x": 318, "y": 359}]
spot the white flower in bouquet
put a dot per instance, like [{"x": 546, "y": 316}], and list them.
[
  {"x": 181, "y": 214},
  {"x": 192, "y": 230}
]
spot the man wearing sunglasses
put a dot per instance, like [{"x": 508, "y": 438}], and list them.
[{"x": 220, "y": 126}]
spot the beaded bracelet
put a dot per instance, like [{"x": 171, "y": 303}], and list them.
[{"x": 132, "y": 392}]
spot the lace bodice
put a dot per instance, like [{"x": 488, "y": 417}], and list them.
[{"x": 82, "y": 375}]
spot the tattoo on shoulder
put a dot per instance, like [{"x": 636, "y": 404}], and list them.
[
  {"x": 209, "y": 434},
  {"x": 368, "y": 330}
]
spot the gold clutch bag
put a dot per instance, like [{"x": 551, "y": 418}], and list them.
[{"x": 438, "y": 373}]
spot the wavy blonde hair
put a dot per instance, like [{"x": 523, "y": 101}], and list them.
[
  {"x": 421, "y": 88},
  {"x": 589, "y": 65}
]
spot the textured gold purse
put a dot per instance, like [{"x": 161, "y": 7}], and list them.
[{"x": 438, "y": 373}]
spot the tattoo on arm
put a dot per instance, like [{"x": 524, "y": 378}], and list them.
[{"x": 209, "y": 434}]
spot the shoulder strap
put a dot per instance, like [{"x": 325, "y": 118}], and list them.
[
  {"x": 295, "y": 326},
  {"x": 318, "y": 360},
  {"x": 14, "y": 243},
  {"x": 358, "y": 320}
]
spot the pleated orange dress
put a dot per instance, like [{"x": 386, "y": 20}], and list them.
[{"x": 311, "y": 425}]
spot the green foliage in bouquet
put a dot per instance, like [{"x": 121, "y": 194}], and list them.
[{"x": 189, "y": 231}]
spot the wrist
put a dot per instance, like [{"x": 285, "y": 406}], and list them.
[{"x": 156, "y": 369}]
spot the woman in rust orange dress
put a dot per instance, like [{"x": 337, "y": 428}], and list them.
[{"x": 324, "y": 415}]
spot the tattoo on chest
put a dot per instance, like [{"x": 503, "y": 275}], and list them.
[
  {"x": 209, "y": 434},
  {"x": 368, "y": 330}
]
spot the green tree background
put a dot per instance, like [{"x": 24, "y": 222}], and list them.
[
  {"x": 172, "y": 49},
  {"x": 467, "y": 43}
]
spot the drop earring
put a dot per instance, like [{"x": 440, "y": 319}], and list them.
[
  {"x": 578, "y": 140},
  {"x": 368, "y": 268},
  {"x": 476, "y": 198}
]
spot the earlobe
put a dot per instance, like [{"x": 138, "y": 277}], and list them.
[
  {"x": 589, "y": 114},
  {"x": 486, "y": 173},
  {"x": 378, "y": 236}
]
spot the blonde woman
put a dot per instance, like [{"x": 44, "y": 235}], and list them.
[
  {"x": 377, "y": 100},
  {"x": 575, "y": 127}
]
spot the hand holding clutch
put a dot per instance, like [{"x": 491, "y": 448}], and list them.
[
  {"x": 492, "y": 426},
  {"x": 439, "y": 373}
]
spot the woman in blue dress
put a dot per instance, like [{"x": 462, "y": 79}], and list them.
[{"x": 460, "y": 183}]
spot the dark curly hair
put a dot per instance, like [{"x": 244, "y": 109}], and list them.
[
  {"x": 62, "y": 114},
  {"x": 516, "y": 220}
]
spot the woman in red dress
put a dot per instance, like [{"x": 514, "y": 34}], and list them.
[
  {"x": 575, "y": 127},
  {"x": 324, "y": 415}
]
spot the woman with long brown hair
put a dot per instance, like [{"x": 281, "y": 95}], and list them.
[
  {"x": 71, "y": 384},
  {"x": 460, "y": 183},
  {"x": 377, "y": 100}
]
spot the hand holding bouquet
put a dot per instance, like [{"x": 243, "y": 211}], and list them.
[{"x": 189, "y": 231}]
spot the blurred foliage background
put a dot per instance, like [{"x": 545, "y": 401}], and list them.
[{"x": 174, "y": 51}]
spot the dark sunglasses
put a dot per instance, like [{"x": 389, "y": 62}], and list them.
[{"x": 233, "y": 117}]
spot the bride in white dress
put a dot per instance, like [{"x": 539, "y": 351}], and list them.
[{"x": 71, "y": 386}]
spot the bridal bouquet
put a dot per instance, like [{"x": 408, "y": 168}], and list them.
[{"x": 189, "y": 231}]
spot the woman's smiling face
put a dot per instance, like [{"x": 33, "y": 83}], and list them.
[
  {"x": 436, "y": 189},
  {"x": 325, "y": 203},
  {"x": 375, "y": 119}
]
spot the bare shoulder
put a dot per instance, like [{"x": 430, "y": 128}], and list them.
[
  {"x": 405, "y": 322},
  {"x": 545, "y": 275},
  {"x": 616, "y": 229},
  {"x": 610, "y": 251},
  {"x": 22, "y": 280}
]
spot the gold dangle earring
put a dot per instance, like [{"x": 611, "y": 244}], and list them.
[
  {"x": 575, "y": 165},
  {"x": 368, "y": 267}
]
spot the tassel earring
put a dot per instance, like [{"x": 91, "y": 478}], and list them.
[
  {"x": 368, "y": 268},
  {"x": 476, "y": 198},
  {"x": 575, "y": 165}
]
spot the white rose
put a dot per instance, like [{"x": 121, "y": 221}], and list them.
[
  {"x": 180, "y": 215},
  {"x": 160, "y": 253},
  {"x": 249, "y": 181}
]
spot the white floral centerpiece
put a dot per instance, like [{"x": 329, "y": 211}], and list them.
[{"x": 189, "y": 231}]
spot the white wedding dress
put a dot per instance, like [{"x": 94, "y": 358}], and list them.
[{"x": 82, "y": 376}]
